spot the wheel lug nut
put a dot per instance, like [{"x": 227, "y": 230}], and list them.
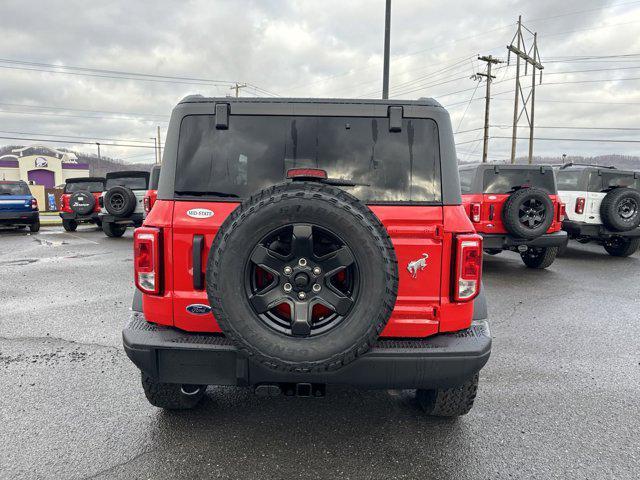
[
  {"x": 317, "y": 271},
  {"x": 316, "y": 287},
  {"x": 287, "y": 287},
  {"x": 288, "y": 270},
  {"x": 302, "y": 262},
  {"x": 302, "y": 295}
]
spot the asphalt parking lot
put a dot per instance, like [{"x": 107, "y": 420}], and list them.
[{"x": 558, "y": 399}]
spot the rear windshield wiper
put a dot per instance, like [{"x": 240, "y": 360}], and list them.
[
  {"x": 206, "y": 193},
  {"x": 340, "y": 182}
]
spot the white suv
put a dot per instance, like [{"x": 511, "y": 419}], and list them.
[
  {"x": 122, "y": 202},
  {"x": 602, "y": 205}
]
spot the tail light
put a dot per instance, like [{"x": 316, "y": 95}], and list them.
[
  {"x": 475, "y": 212},
  {"x": 580, "y": 201},
  {"x": 468, "y": 267},
  {"x": 34, "y": 204},
  {"x": 146, "y": 259},
  {"x": 147, "y": 203},
  {"x": 302, "y": 173},
  {"x": 562, "y": 212}
]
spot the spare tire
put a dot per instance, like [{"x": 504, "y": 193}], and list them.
[
  {"x": 120, "y": 201},
  {"x": 82, "y": 202},
  {"x": 528, "y": 213},
  {"x": 620, "y": 209},
  {"x": 302, "y": 277}
]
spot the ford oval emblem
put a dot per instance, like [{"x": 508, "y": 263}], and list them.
[
  {"x": 198, "y": 309},
  {"x": 200, "y": 213}
]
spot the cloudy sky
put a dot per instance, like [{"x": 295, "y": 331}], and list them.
[{"x": 82, "y": 72}]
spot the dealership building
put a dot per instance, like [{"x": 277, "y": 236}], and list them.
[{"x": 43, "y": 168}]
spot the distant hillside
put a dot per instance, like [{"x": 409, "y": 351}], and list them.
[
  {"x": 97, "y": 166},
  {"x": 624, "y": 162}
]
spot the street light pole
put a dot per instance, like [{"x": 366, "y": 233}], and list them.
[
  {"x": 155, "y": 147},
  {"x": 387, "y": 42},
  {"x": 98, "y": 144}
]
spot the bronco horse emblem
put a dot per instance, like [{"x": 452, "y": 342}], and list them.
[{"x": 416, "y": 265}]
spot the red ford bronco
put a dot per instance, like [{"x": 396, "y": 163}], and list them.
[
  {"x": 297, "y": 244},
  {"x": 80, "y": 202},
  {"x": 515, "y": 207}
]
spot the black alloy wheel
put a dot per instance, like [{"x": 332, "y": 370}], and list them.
[
  {"x": 116, "y": 201},
  {"x": 302, "y": 280},
  {"x": 532, "y": 213}
]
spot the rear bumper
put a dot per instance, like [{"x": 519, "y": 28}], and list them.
[
  {"x": 505, "y": 242},
  {"x": 579, "y": 229},
  {"x": 19, "y": 218},
  {"x": 133, "y": 219},
  {"x": 174, "y": 356},
  {"x": 92, "y": 217}
]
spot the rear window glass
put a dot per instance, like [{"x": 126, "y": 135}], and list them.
[
  {"x": 570, "y": 180},
  {"x": 93, "y": 187},
  {"x": 466, "y": 180},
  {"x": 506, "y": 180},
  {"x": 154, "y": 178},
  {"x": 17, "y": 188},
  {"x": 256, "y": 152},
  {"x": 608, "y": 180},
  {"x": 134, "y": 183}
]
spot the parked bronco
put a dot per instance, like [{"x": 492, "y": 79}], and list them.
[
  {"x": 122, "y": 201},
  {"x": 80, "y": 202},
  {"x": 296, "y": 244},
  {"x": 515, "y": 207},
  {"x": 603, "y": 205},
  {"x": 18, "y": 207}
]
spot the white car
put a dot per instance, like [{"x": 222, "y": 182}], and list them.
[
  {"x": 122, "y": 202},
  {"x": 602, "y": 205}
]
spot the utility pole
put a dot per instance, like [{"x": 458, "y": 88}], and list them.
[
  {"x": 98, "y": 150},
  {"x": 237, "y": 88},
  {"x": 155, "y": 147},
  {"x": 387, "y": 44},
  {"x": 490, "y": 62},
  {"x": 530, "y": 56},
  {"x": 159, "y": 146}
]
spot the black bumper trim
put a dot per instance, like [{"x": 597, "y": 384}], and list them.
[
  {"x": 92, "y": 217},
  {"x": 505, "y": 242},
  {"x": 579, "y": 229},
  {"x": 134, "y": 218},
  {"x": 174, "y": 356},
  {"x": 19, "y": 218}
]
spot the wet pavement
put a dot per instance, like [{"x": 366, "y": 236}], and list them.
[{"x": 560, "y": 397}]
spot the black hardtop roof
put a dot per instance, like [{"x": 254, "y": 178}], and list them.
[
  {"x": 425, "y": 102},
  {"x": 593, "y": 167},
  {"x": 13, "y": 181},
  {"x": 127, "y": 173},
  {"x": 85, "y": 179},
  {"x": 504, "y": 166}
]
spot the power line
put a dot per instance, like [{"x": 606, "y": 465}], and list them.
[
  {"x": 603, "y": 140},
  {"x": 457, "y": 40},
  {"x": 48, "y": 140},
  {"x": 70, "y": 109},
  {"x": 77, "y": 136},
  {"x": 558, "y": 127},
  {"x": 48, "y": 114},
  {"x": 117, "y": 74}
]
